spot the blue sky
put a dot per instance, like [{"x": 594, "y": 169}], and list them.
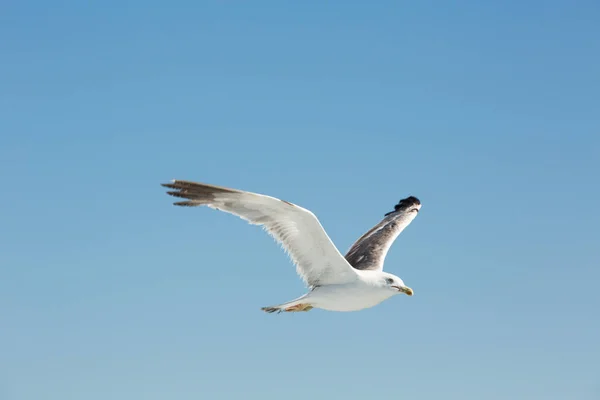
[{"x": 486, "y": 112}]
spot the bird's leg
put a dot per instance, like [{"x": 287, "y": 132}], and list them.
[{"x": 299, "y": 308}]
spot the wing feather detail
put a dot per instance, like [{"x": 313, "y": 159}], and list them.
[
  {"x": 370, "y": 250},
  {"x": 296, "y": 229}
]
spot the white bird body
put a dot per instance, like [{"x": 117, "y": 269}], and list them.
[
  {"x": 337, "y": 283},
  {"x": 354, "y": 296}
]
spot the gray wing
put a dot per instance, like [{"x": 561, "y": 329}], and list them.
[{"x": 369, "y": 251}]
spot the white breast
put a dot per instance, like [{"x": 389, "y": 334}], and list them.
[{"x": 349, "y": 297}]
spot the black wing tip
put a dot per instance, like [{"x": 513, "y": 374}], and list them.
[
  {"x": 405, "y": 203},
  {"x": 179, "y": 191},
  {"x": 170, "y": 185},
  {"x": 197, "y": 193}
]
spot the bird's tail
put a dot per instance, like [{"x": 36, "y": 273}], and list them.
[{"x": 297, "y": 305}]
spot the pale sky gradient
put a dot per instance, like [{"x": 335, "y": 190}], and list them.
[{"x": 486, "y": 111}]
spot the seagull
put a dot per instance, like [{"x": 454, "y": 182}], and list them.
[{"x": 335, "y": 283}]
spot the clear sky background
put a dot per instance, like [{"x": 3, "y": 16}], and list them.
[{"x": 486, "y": 111}]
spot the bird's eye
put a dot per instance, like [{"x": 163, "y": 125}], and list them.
[{"x": 389, "y": 281}]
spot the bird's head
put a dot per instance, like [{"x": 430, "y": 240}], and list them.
[{"x": 395, "y": 284}]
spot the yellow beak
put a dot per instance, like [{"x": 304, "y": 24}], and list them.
[{"x": 405, "y": 289}]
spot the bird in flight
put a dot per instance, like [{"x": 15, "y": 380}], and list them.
[{"x": 335, "y": 283}]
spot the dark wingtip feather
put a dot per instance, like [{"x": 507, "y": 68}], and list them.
[
  {"x": 178, "y": 194},
  {"x": 405, "y": 203},
  {"x": 198, "y": 193},
  {"x": 186, "y": 203}
]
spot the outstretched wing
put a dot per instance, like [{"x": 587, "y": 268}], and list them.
[
  {"x": 369, "y": 251},
  {"x": 317, "y": 260}
]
